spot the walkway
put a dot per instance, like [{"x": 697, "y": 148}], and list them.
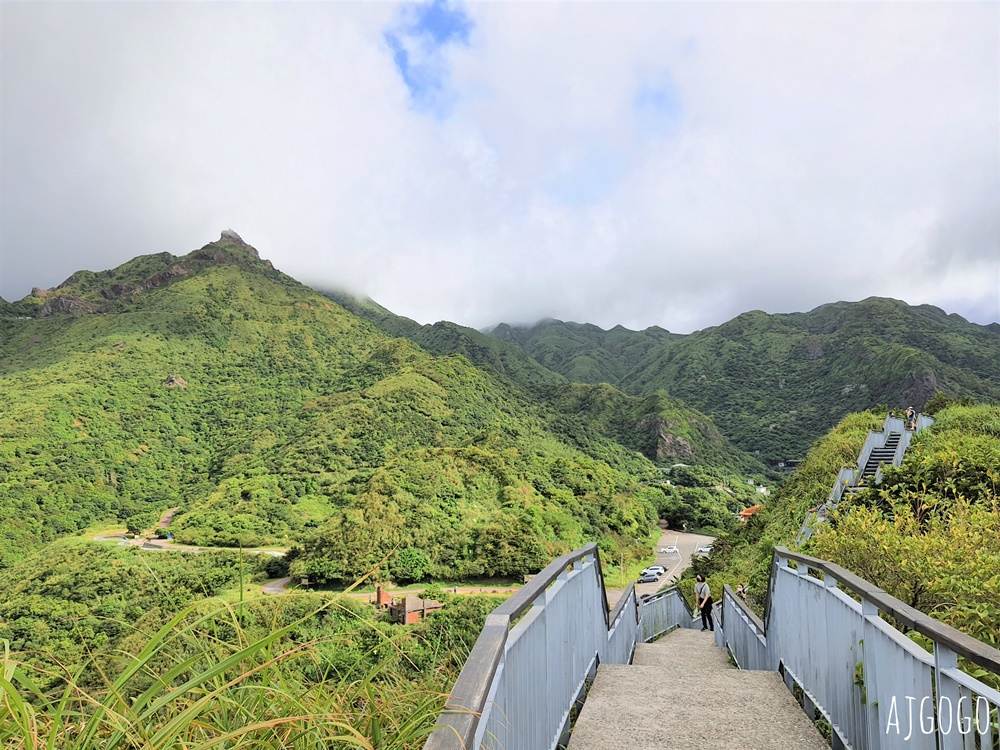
[{"x": 681, "y": 693}]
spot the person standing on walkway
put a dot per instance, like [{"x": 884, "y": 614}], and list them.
[
  {"x": 911, "y": 418},
  {"x": 703, "y": 599}
]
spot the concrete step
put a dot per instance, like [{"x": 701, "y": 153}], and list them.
[
  {"x": 683, "y": 651},
  {"x": 682, "y": 693}
]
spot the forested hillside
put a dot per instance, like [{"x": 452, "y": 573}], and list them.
[
  {"x": 775, "y": 383},
  {"x": 270, "y": 415},
  {"x": 585, "y": 353},
  {"x": 659, "y": 427},
  {"x": 264, "y": 410}
]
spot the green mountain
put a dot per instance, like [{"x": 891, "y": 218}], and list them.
[
  {"x": 502, "y": 358},
  {"x": 775, "y": 383},
  {"x": 659, "y": 427},
  {"x": 269, "y": 414},
  {"x": 583, "y": 352}
]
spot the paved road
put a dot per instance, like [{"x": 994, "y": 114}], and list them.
[
  {"x": 275, "y": 587},
  {"x": 168, "y": 517},
  {"x": 687, "y": 544},
  {"x": 162, "y": 545}
]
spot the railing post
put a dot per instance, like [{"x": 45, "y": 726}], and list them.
[
  {"x": 869, "y": 662},
  {"x": 948, "y": 694}
]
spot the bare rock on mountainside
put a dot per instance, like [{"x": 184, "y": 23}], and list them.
[
  {"x": 38, "y": 292},
  {"x": 219, "y": 252},
  {"x": 175, "y": 381},
  {"x": 667, "y": 445},
  {"x": 228, "y": 235},
  {"x": 66, "y": 304},
  {"x": 157, "y": 280}
]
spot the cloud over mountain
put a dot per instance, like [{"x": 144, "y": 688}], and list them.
[{"x": 668, "y": 164}]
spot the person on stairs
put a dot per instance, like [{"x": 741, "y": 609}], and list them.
[
  {"x": 703, "y": 600},
  {"x": 911, "y": 418}
]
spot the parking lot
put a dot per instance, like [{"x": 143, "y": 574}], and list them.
[{"x": 674, "y": 563}]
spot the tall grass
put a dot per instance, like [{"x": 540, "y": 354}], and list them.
[{"x": 190, "y": 688}]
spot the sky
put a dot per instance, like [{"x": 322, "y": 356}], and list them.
[{"x": 634, "y": 163}]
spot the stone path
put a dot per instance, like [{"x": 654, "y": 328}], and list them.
[{"x": 681, "y": 693}]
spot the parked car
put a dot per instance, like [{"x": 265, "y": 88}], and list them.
[
  {"x": 704, "y": 550},
  {"x": 648, "y": 578},
  {"x": 671, "y": 550},
  {"x": 657, "y": 570}
]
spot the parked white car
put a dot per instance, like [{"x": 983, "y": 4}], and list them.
[
  {"x": 704, "y": 550},
  {"x": 656, "y": 570},
  {"x": 671, "y": 550}
]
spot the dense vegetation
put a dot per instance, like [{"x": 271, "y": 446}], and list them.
[
  {"x": 659, "y": 427},
  {"x": 929, "y": 533},
  {"x": 270, "y": 415},
  {"x": 776, "y": 383},
  {"x": 119, "y": 648}
]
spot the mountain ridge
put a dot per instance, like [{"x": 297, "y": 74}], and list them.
[{"x": 776, "y": 382}]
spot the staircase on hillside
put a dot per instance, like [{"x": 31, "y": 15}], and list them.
[
  {"x": 643, "y": 677},
  {"x": 682, "y": 692},
  {"x": 876, "y": 458},
  {"x": 885, "y": 447}
]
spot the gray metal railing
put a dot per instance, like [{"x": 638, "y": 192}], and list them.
[
  {"x": 537, "y": 651},
  {"x": 663, "y": 612},
  {"x": 829, "y": 632},
  {"x": 743, "y": 634}
]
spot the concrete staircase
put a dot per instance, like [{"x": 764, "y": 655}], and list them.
[{"x": 681, "y": 692}]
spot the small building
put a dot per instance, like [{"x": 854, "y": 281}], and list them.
[
  {"x": 412, "y": 609},
  {"x": 382, "y": 597},
  {"x": 747, "y": 512}
]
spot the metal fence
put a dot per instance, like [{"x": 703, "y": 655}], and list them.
[
  {"x": 840, "y": 640},
  {"x": 741, "y": 632},
  {"x": 537, "y": 651},
  {"x": 662, "y": 612}
]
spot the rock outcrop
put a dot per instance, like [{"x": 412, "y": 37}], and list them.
[{"x": 66, "y": 303}]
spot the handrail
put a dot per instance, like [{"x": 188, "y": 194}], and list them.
[
  {"x": 525, "y": 674},
  {"x": 648, "y": 599},
  {"x": 518, "y": 604},
  {"x": 744, "y": 607},
  {"x": 613, "y": 617},
  {"x": 961, "y": 643},
  {"x": 461, "y": 712}
]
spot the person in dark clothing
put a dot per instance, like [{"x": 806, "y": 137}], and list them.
[{"x": 703, "y": 600}]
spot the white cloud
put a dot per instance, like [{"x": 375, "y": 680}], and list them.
[{"x": 818, "y": 152}]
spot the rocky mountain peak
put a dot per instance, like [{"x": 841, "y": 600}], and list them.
[{"x": 228, "y": 235}]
